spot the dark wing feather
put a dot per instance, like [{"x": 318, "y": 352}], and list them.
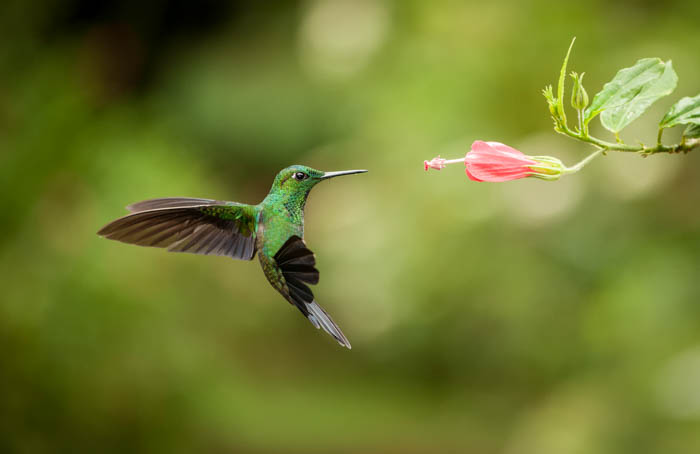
[
  {"x": 296, "y": 264},
  {"x": 222, "y": 229}
]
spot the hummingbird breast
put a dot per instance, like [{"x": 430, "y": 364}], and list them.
[
  {"x": 274, "y": 229},
  {"x": 276, "y": 225}
]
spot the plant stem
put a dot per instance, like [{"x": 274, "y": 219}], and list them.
[
  {"x": 580, "y": 121},
  {"x": 609, "y": 146},
  {"x": 580, "y": 165}
]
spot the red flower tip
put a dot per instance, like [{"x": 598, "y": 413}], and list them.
[{"x": 435, "y": 163}]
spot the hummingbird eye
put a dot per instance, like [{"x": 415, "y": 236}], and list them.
[{"x": 300, "y": 176}]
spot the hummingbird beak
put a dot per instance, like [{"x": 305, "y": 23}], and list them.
[{"x": 327, "y": 175}]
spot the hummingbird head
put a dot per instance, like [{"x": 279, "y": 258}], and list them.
[{"x": 300, "y": 179}]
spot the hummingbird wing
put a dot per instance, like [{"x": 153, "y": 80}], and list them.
[
  {"x": 293, "y": 269},
  {"x": 198, "y": 226}
]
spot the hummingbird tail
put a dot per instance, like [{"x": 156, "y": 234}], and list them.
[
  {"x": 296, "y": 264},
  {"x": 321, "y": 319}
]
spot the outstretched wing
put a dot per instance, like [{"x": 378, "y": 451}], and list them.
[
  {"x": 198, "y": 226},
  {"x": 294, "y": 268}
]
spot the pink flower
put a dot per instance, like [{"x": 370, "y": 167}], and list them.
[{"x": 496, "y": 162}]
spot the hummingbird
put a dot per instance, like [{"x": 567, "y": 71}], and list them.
[{"x": 274, "y": 229}]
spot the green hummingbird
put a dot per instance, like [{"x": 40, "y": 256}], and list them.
[{"x": 274, "y": 229}]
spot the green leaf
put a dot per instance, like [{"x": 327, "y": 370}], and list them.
[
  {"x": 631, "y": 92},
  {"x": 684, "y": 112},
  {"x": 692, "y": 131}
]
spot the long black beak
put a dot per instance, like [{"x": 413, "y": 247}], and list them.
[{"x": 328, "y": 175}]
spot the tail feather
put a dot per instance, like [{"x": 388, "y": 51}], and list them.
[{"x": 320, "y": 318}]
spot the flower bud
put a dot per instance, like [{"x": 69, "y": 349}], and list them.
[
  {"x": 548, "y": 94},
  {"x": 579, "y": 96},
  {"x": 496, "y": 162}
]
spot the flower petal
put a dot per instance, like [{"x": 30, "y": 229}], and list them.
[
  {"x": 498, "y": 152},
  {"x": 492, "y": 175},
  {"x": 471, "y": 177},
  {"x": 496, "y": 162},
  {"x": 504, "y": 148}
]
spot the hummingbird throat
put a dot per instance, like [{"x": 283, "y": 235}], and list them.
[{"x": 294, "y": 204}]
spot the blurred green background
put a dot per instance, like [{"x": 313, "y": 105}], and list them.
[{"x": 517, "y": 318}]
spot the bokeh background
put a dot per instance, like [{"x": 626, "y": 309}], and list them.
[{"x": 518, "y": 318}]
